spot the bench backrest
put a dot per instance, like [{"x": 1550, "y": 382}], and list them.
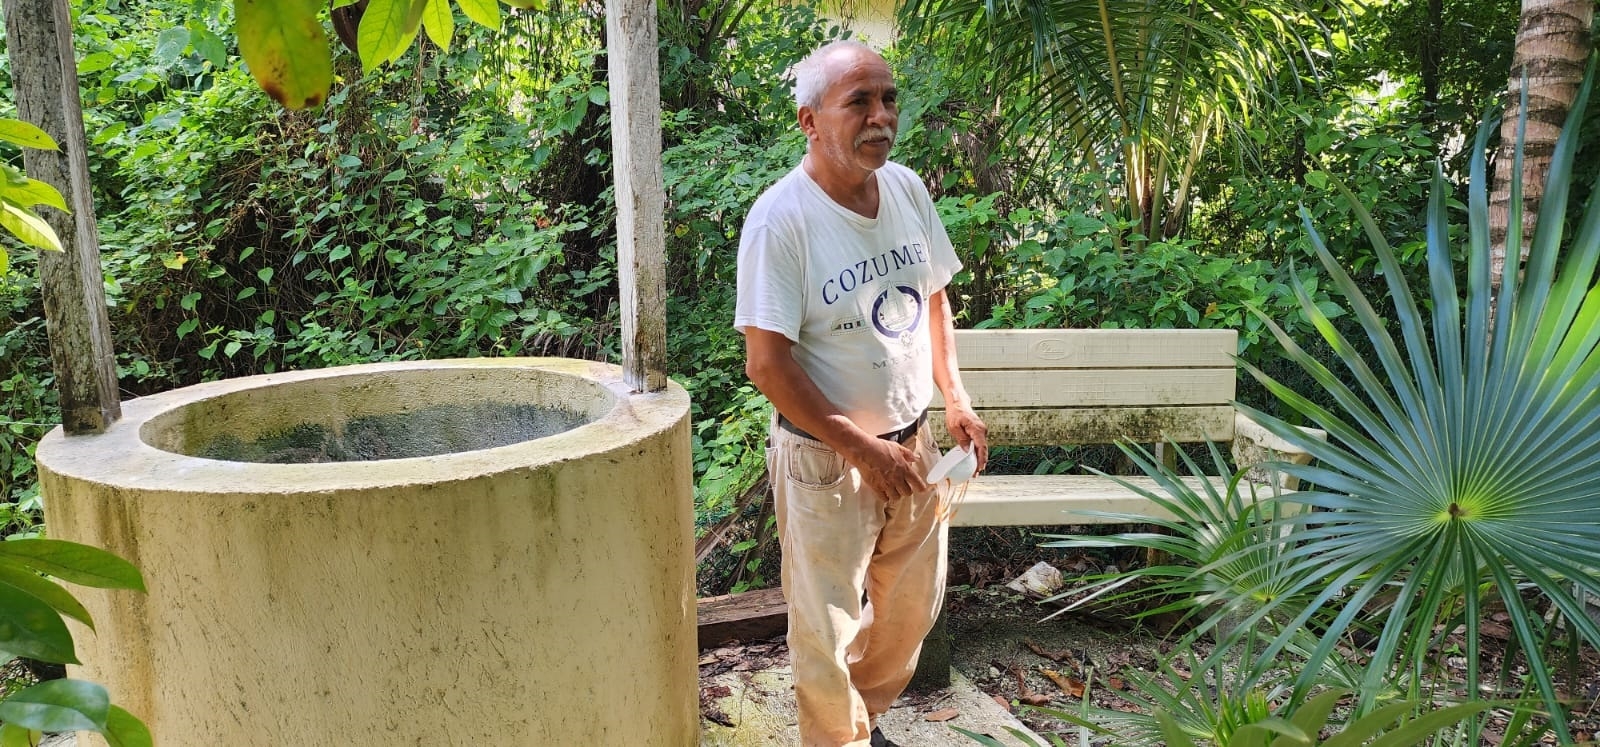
[{"x": 1090, "y": 386}]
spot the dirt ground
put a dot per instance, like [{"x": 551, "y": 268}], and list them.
[{"x": 1004, "y": 647}]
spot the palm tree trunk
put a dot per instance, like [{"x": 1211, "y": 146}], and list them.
[{"x": 1553, "y": 43}]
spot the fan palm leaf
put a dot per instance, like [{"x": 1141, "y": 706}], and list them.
[
  {"x": 1144, "y": 85},
  {"x": 1464, "y": 461}
]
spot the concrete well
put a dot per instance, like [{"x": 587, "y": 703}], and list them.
[{"x": 473, "y": 552}]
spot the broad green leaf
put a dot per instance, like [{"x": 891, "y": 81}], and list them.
[
  {"x": 171, "y": 43},
  {"x": 12, "y": 735},
  {"x": 96, "y": 62},
  {"x": 440, "y": 22},
  {"x": 59, "y": 705},
  {"x": 283, "y": 43},
  {"x": 387, "y": 26},
  {"x": 528, "y": 4},
  {"x": 44, "y": 590},
  {"x": 482, "y": 12},
  {"x": 74, "y": 563},
  {"x": 13, "y": 176},
  {"x": 28, "y": 627},
  {"x": 35, "y": 192},
  {"x": 26, "y": 135},
  {"x": 209, "y": 45},
  {"x": 123, "y": 729},
  {"x": 28, "y": 227},
  {"x": 5, "y": 262}
]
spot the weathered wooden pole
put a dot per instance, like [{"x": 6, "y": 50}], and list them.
[
  {"x": 44, "y": 77},
  {"x": 636, "y": 166}
]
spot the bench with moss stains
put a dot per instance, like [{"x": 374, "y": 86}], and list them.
[{"x": 1048, "y": 387}]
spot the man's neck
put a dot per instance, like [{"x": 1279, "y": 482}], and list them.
[{"x": 856, "y": 191}]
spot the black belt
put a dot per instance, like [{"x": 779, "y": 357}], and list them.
[{"x": 900, "y": 436}]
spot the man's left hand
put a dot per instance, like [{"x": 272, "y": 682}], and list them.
[{"x": 968, "y": 431}]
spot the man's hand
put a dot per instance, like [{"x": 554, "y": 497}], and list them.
[
  {"x": 968, "y": 431},
  {"x": 890, "y": 469}
]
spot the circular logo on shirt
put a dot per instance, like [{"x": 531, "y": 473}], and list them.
[{"x": 897, "y": 311}]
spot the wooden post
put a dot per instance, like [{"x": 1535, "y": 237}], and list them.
[
  {"x": 636, "y": 165},
  {"x": 44, "y": 77}
]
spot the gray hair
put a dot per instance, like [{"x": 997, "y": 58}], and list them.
[{"x": 813, "y": 75}]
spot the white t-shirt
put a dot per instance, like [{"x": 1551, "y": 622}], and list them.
[{"x": 850, "y": 291}]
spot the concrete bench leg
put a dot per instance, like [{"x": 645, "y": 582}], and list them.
[{"x": 933, "y": 665}]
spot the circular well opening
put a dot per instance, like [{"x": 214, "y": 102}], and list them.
[{"x": 379, "y": 415}]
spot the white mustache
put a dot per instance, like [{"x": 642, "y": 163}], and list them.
[{"x": 874, "y": 133}]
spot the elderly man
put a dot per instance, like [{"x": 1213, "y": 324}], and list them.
[{"x": 842, "y": 271}]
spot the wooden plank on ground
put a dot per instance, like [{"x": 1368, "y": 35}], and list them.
[
  {"x": 1054, "y": 427},
  {"x": 1096, "y": 388},
  {"x": 1095, "y": 348},
  {"x": 750, "y": 616}
]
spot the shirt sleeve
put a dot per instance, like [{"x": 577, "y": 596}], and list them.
[
  {"x": 945, "y": 262},
  {"x": 771, "y": 272}
]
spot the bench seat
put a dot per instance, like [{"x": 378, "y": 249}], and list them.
[
  {"x": 1049, "y": 500},
  {"x": 1074, "y": 387}
]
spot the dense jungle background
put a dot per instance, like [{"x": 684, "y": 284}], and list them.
[{"x": 458, "y": 203}]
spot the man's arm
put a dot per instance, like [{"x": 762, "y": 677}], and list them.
[
  {"x": 889, "y": 468},
  {"x": 965, "y": 426}
]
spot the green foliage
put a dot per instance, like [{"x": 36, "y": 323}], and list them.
[
  {"x": 1067, "y": 272},
  {"x": 19, "y": 194},
  {"x": 1358, "y": 133},
  {"x": 284, "y": 43},
  {"x": 28, "y": 404},
  {"x": 1459, "y": 473},
  {"x": 1136, "y": 91},
  {"x": 32, "y": 608}
]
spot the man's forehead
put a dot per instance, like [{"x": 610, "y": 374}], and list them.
[{"x": 861, "y": 73}]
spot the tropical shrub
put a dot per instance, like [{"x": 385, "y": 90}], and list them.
[
  {"x": 1460, "y": 474},
  {"x": 33, "y": 609}
]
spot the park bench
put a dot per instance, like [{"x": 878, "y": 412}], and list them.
[
  {"x": 1057, "y": 387},
  {"x": 1043, "y": 387}
]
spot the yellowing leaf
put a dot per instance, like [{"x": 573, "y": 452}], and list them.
[
  {"x": 29, "y": 228},
  {"x": 387, "y": 28},
  {"x": 25, "y": 135},
  {"x": 34, "y": 192},
  {"x": 528, "y": 4},
  {"x": 283, "y": 43},
  {"x": 440, "y": 22},
  {"x": 482, "y": 12}
]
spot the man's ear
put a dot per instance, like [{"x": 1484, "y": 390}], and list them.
[{"x": 808, "y": 121}]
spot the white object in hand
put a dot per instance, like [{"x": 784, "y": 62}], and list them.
[{"x": 957, "y": 465}]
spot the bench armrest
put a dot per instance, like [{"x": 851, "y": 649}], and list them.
[{"x": 1254, "y": 446}]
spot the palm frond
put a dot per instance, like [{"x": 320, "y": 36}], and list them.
[{"x": 1468, "y": 461}]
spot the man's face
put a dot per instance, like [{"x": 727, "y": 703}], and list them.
[{"x": 854, "y": 126}]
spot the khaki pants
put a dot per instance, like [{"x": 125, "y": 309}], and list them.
[{"x": 851, "y": 660}]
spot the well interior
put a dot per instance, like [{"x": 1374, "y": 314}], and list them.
[{"x": 394, "y": 415}]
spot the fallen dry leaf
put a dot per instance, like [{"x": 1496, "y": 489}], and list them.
[
  {"x": 942, "y": 715},
  {"x": 1006, "y": 704},
  {"x": 1055, "y": 656},
  {"x": 1072, "y": 687},
  {"x": 1116, "y": 683},
  {"x": 1025, "y": 694},
  {"x": 708, "y": 659}
]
